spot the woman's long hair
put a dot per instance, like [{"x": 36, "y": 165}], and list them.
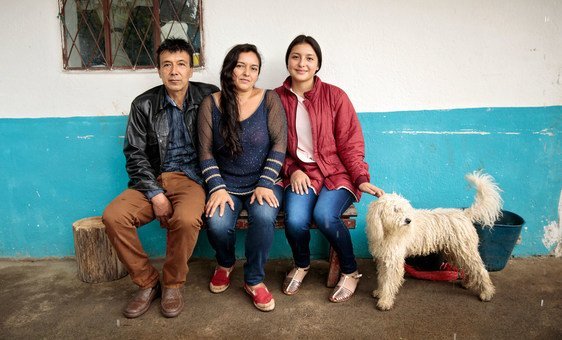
[{"x": 230, "y": 124}]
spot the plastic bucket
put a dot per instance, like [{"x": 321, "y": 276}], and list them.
[{"x": 497, "y": 243}]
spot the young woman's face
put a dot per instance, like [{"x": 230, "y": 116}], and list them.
[
  {"x": 303, "y": 63},
  {"x": 246, "y": 71}
]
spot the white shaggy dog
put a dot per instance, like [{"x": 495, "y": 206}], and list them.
[{"x": 395, "y": 231}]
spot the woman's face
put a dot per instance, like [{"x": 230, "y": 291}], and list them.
[
  {"x": 246, "y": 71},
  {"x": 303, "y": 63}
]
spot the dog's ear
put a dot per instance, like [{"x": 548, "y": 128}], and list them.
[{"x": 374, "y": 229}]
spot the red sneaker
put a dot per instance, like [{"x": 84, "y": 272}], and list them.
[
  {"x": 263, "y": 300},
  {"x": 220, "y": 280}
]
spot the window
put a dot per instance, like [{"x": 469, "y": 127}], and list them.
[{"x": 124, "y": 34}]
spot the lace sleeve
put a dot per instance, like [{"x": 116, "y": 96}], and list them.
[
  {"x": 277, "y": 122},
  {"x": 209, "y": 167},
  {"x": 277, "y": 126}
]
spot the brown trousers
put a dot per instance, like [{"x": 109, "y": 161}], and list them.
[{"x": 131, "y": 209}]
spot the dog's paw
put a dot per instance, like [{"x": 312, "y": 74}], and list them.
[
  {"x": 385, "y": 304},
  {"x": 375, "y": 293},
  {"x": 486, "y": 296}
]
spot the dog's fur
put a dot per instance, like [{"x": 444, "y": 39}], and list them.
[{"x": 395, "y": 231}]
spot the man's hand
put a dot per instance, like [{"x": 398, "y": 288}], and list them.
[
  {"x": 162, "y": 208},
  {"x": 219, "y": 199},
  {"x": 264, "y": 194}
]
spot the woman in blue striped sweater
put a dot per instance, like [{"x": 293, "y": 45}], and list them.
[{"x": 242, "y": 143}]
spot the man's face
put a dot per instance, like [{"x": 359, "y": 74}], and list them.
[{"x": 175, "y": 70}]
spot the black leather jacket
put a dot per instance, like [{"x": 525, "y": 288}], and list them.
[{"x": 146, "y": 138}]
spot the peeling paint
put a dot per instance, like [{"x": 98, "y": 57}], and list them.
[
  {"x": 553, "y": 232},
  {"x": 411, "y": 132},
  {"x": 85, "y": 137},
  {"x": 544, "y": 132}
]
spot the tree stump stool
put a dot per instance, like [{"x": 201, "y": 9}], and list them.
[{"x": 97, "y": 260}]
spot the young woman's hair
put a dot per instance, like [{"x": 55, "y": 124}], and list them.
[
  {"x": 230, "y": 125},
  {"x": 173, "y": 46},
  {"x": 305, "y": 39}
]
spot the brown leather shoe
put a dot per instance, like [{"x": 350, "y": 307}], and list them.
[
  {"x": 171, "y": 303},
  {"x": 140, "y": 303}
]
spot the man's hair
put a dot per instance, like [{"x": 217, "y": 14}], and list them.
[
  {"x": 175, "y": 45},
  {"x": 305, "y": 39}
]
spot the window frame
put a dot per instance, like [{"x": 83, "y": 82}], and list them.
[{"x": 69, "y": 42}]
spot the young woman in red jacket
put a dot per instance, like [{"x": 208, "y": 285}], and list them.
[{"x": 324, "y": 170}]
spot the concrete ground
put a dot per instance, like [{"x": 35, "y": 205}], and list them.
[{"x": 44, "y": 299}]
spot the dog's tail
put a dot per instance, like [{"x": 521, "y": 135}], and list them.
[{"x": 487, "y": 205}]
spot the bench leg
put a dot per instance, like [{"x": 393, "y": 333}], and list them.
[{"x": 334, "y": 271}]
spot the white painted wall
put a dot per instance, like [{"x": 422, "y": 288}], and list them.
[{"x": 388, "y": 55}]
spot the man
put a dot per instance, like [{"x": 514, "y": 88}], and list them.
[{"x": 164, "y": 181}]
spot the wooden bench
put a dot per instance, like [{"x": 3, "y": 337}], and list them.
[
  {"x": 97, "y": 261},
  {"x": 348, "y": 218}
]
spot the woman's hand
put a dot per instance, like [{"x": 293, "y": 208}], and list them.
[
  {"x": 371, "y": 189},
  {"x": 219, "y": 199},
  {"x": 300, "y": 182},
  {"x": 264, "y": 194}
]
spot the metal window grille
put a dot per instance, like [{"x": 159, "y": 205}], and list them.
[{"x": 124, "y": 34}]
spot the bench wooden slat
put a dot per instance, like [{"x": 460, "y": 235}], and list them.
[{"x": 348, "y": 218}]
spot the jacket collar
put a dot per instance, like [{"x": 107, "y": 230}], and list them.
[
  {"x": 308, "y": 95},
  {"x": 162, "y": 97},
  {"x": 190, "y": 96}
]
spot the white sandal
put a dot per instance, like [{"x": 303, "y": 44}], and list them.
[{"x": 345, "y": 287}]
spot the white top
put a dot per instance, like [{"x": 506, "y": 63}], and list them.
[{"x": 305, "y": 147}]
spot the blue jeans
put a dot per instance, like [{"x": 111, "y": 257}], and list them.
[
  {"x": 222, "y": 235},
  {"x": 325, "y": 210}
]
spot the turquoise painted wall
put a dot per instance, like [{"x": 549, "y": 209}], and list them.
[{"x": 57, "y": 170}]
